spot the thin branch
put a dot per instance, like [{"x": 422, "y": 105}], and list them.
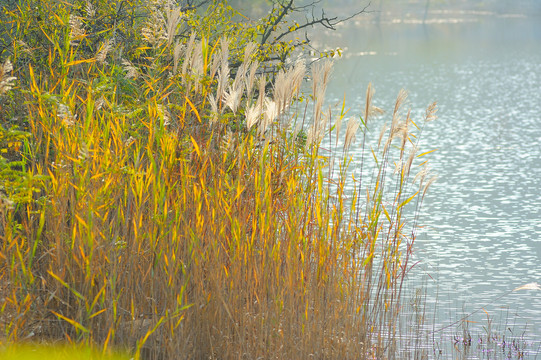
[{"x": 329, "y": 23}]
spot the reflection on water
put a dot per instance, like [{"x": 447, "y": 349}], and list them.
[{"x": 483, "y": 216}]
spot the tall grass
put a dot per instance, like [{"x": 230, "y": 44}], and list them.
[{"x": 184, "y": 208}]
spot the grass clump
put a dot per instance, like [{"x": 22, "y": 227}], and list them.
[{"x": 163, "y": 194}]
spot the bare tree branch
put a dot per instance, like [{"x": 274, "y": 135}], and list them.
[{"x": 329, "y": 23}]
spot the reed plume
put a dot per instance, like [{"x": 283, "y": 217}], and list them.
[
  {"x": 105, "y": 48},
  {"x": 351, "y": 130},
  {"x": 77, "y": 30},
  {"x": 6, "y": 81}
]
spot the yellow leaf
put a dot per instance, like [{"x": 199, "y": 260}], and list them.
[
  {"x": 72, "y": 322},
  {"x": 408, "y": 200},
  {"x": 194, "y": 109},
  {"x": 386, "y": 214},
  {"x": 426, "y": 153},
  {"x": 76, "y": 62},
  {"x": 96, "y": 313},
  {"x": 196, "y": 147}
]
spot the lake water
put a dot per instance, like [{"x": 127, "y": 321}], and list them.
[{"x": 482, "y": 235}]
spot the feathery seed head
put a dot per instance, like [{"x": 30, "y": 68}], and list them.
[
  {"x": 76, "y": 29},
  {"x": 131, "y": 71},
  {"x": 270, "y": 114},
  {"x": 224, "y": 43},
  {"x": 6, "y": 203},
  {"x": 381, "y": 134},
  {"x": 287, "y": 84},
  {"x": 65, "y": 114},
  {"x": 197, "y": 61},
  {"x": 320, "y": 77},
  {"x": 375, "y": 111},
  {"x": 177, "y": 52},
  {"x": 250, "y": 79},
  {"x": 213, "y": 103},
  {"x": 409, "y": 161},
  {"x": 338, "y": 127},
  {"x": 253, "y": 115},
  {"x": 262, "y": 86},
  {"x": 397, "y": 131},
  {"x": 370, "y": 110},
  {"x": 351, "y": 130},
  {"x": 90, "y": 9},
  {"x": 232, "y": 98},
  {"x": 163, "y": 112},
  {"x": 6, "y": 81},
  {"x": 103, "y": 51},
  {"x": 310, "y": 136},
  {"x": 84, "y": 152},
  {"x": 296, "y": 130},
  {"x": 129, "y": 141},
  {"x": 400, "y": 99},
  {"x": 238, "y": 83},
  {"x": 281, "y": 89},
  {"x": 327, "y": 69},
  {"x": 214, "y": 108},
  {"x": 249, "y": 50},
  {"x": 24, "y": 47},
  {"x": 317, "y": 130},
  {"x": 428, "y": 183},
  {"x": 297, "y": 76},
  {"x": 529, "y": 286},
  {"x": 369, "y": 93},
  {"x": 421, "y": 175},
  {"x": 197, "y": 65},
  {"x": 318, "y": 119},
  {"x": 405, "y": 133},
  {"x": 223, "y": 78},
  {"x": 431, "y": 112},
  {"x": 173, "y": 20},
  {"x": 99, "y": 103},
  {"x": 215, "y": 63},
  {"x": 188, "y": 56},
  {"x": 227, "y": 142},
  {"x": 154, "y": 31}
]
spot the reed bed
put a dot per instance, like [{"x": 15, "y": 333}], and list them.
[{"x": 178, "y": 206}]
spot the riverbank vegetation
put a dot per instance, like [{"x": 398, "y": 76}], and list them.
[{"x": 164, "y": 188}]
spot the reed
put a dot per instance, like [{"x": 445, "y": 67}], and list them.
[{"x": 182, "y": 210}]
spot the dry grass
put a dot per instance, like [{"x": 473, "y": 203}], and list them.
[{"x": 176, "y": 214}]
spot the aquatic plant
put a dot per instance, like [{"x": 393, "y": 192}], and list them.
[{"x": 180, "y": 206}]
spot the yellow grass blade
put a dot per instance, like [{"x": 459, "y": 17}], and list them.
[
  {"x": 72, "y": 322},
  {"x": 426, "y": 153},
  {"x": 194, "y": 109},
  {"x": 407, "y": 200},
  {"x": 196, "y": 147}
]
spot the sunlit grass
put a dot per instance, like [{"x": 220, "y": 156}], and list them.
[{"x": 41, "y": 352}]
